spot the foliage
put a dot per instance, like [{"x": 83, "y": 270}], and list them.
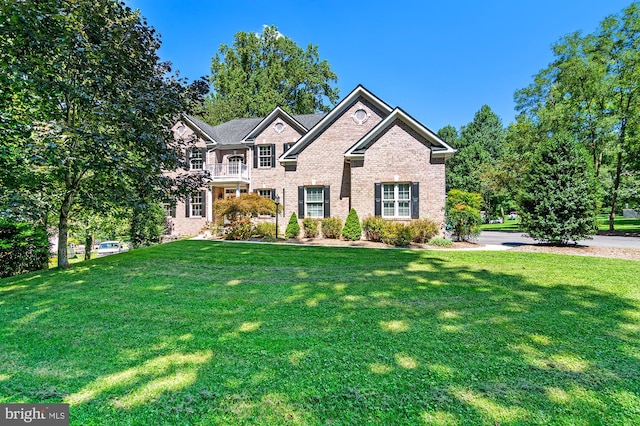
[
  {"x": 240, "y": 229},
  {"x": 289, "y": 314},
  {"x": 293, "y": 227},
  {"x": 440, "y": 242},
  {"x": 558, "y": 193},
  {"x": 310, "y": 227},
  {"x": 148, "y": 224},
  {"x": 88, "y": 108},
  {"x": 331, "y": 227},
  {"x": 372, "y": 227},
  {"x": 260, "y": 72},
  {"x": 480, "y": 145},
  {"x": 396, "y": 234},
  {"x": 246, "y": 205},
  {"x": 24, "y": 247},
  {"x": 265, "y": 229},
  {"x": 424, "y": 229},
  {"x": 463, "y": 214},
  {"x": 591, "y": 91},
  {"x": 352, "y": 230}
]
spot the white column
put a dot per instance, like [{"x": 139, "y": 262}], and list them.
[{"x": 209, "y": 204}]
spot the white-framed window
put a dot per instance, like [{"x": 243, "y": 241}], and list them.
[
  {"x": 396, "y": 200},
  {"x": 196, "y": 204},
  {"x": 196, "y": 159},
  {"x": 267, "y": 193},
  {"x": 314, "y": 201},
  {"x": 264, "y": 156},
  {"x": 169, "y": 208}
]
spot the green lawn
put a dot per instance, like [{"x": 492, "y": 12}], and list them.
[
  {"x": 620, "y": 223},
  {"x": 202, "y": 333}
]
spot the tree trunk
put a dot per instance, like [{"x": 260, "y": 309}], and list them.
[
  {"x": 63, "y": 232},
  {"x": 616, "y": 184},
  {"x": 88, "y": 245}
]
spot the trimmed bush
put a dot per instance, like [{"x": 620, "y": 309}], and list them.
[
  {"x": 331, "y": 227},
  {"x": 265, "y": 229},
  {"x": 372, "y": 227},
  {"x": 352, "y": 230},
  {"x": 463, "y": 214},
  {"x": 397, "y": 234},
  {"x": 440, "y": 242},
  {"x": 310, "y": 227},
  {"x": 424, "y": 230},
  {"x": 293, "y": 227}
]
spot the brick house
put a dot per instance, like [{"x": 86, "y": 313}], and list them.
[{"x": 363, "y": 154}]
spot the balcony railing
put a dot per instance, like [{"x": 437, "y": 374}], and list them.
[{"x": 228, "y": 172}]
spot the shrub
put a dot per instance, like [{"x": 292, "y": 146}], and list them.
[
  {"x": 424, "y": 230},
  {"x": 352, "y": 230},
  {"x": 463, "y": 214},
  {"x": 293, "y": 227},
  {"x": 372, "y": 227},
  {"x": 24, "y": 247},
  {"x": 240, "y": 229},
  {"x": 440, "y": 242},
  {"x": 310, "y": 227},
  {"x": 265, "y": 229},
  {"x": 396, "y": 234},
  {"x": 331, "y": 227},
  {"x": 558, "y": 194}
]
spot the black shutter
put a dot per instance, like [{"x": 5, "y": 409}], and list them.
[
  {"x": 415, "y": 200},
  {"x": 273, "y": 194},
  {"x": 173, "y": 210},
  {"x": 327, "y": 201},
  {"x": 273, "y": 155},
  {"x": 204, "y": 157},
  {"x": 285, "y": 147},
  {"x": 204, "y": 204},
  {"x": 377, "y": 195},
  {"x": 255, "y": 156},
  {"x": 186, "y": 205},
  {"x": 301, "y": 202}
]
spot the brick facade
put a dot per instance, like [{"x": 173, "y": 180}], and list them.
[{"x": 400, "y": 151}]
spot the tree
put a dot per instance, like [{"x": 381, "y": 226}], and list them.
[
  {"x": 90, "y": 105},
  {"x": 592, "y": 90},
  {"x": 480, "y": 145},
  {"x": 557, "y": 198},
  {"x": 463, "y": 214},
  {"x": 293, "y": 227},
  {"x": 352, "y": 230},
  {"x": 260, "y": 72}
]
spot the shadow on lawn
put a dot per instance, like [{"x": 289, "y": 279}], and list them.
[{"x": 235, "y": 333}]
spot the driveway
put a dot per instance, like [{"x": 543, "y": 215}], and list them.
[{"x": 513, "y": 239}]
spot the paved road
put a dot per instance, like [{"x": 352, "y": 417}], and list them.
[{"x": 517, "y": 238}]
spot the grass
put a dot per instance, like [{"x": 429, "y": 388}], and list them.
[
  {"x": 200, "y": 332},
  {"x": 620, "y": 224}
]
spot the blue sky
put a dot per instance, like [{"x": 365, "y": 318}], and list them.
[{"x": 440, "y": 61}]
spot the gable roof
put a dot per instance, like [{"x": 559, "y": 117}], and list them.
[
  {"x": 236, "y": 132},
  {"x": 277, "y": 112},
  {"x": 360, "y": 91},
  {"x": 439, "y": 148}
]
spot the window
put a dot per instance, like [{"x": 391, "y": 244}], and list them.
[
  {"x": 264, "y": 156},
  {"x": 196, "y": 158},
  {"x": 170, "y": 209},
  {"x": 197, "y": 204},
  {"x": 314, "y": 202},
  {"x": 396, "y": 200},
  {"x": 267, "y": 193},
  {"x": 279, "y": 127}
]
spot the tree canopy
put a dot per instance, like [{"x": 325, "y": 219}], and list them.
[
  {"x": 260, "y": 72},
  {"x": 87, "y": 107}
]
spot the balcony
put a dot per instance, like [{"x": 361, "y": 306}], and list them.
[{"x": 228, "y": 172}]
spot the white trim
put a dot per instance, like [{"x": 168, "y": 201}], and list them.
[
  {"x": 196, "y": 127},
  {"x": 277, "y": 112}
]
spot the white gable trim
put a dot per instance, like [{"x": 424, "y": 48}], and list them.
[
  {"x": 290, "y": 157},
  {"x": 439, "y": 148},
  {"x": 195, "y": 127},
  {"x": 269, "y": 118}
]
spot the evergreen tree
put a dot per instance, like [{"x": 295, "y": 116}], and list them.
[
  {"x": 352, "y": 230},
  {"x": 558, "y": 194},
  {"x": 293, "y": 227}
]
